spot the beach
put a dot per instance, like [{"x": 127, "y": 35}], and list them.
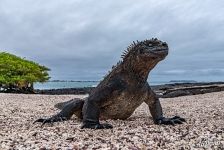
[{"x": 204, "y": 128}]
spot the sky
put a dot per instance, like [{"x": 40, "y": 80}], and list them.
[{"x": 81, "y": 40}]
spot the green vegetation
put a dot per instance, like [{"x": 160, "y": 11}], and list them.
[{"x": 18, "y": 74}]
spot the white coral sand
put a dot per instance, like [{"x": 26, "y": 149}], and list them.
[{"x": 204, "y": 127}]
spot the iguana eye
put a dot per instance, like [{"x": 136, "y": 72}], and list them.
[
  {"x": 164, "y": 44},
  {"x": 141, "y": 51}
]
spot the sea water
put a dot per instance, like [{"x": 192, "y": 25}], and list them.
[
  {"x": 81, "y": 84},
  {"x": 153, "y": 79},
  {"x": 65, "y": 84},
  {"x": 158, "y": 80}
]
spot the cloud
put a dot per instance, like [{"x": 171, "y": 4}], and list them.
[{"x": 83, "y": 39}]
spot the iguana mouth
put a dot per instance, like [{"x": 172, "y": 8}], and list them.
[
  {"x": 160, "y": 53},
  {"x": 159, "y": 50},
  {"x": 155, "y": 48}
]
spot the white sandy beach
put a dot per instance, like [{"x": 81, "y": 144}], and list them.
[{"x": 204, "y": 127}]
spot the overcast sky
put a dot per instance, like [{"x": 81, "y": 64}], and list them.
[{"x": 81, "y": 40}]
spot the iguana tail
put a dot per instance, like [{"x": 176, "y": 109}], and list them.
[
  {"x": 75, "y": 105},
  {"x": 68, "y": 108},
  {"x": 62, "y": 104}
]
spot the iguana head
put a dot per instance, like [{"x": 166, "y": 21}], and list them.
[
  {"x": 142, "y": 56},
  {"x": 147, "y": 50}
]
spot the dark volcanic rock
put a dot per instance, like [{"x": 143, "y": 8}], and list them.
[
  {"x": 164, "y": 91},
  {"x": 175, "y": 90},
  {"x": 65, "y": 91}
]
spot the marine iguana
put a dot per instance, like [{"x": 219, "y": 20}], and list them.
[{"x": 121, "y": 91}]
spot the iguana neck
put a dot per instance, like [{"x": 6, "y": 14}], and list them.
[{"x": 138, "y": 72}]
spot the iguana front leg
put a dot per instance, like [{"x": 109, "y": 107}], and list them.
[
  {"x": 91, "y": 113},
  {"x": 91, "y": 108},
  {"x": 156, "y": 111}
]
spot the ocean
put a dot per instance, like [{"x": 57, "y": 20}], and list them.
[
  {"x": 81, "y": 84},
  {"x": 155, "y": 80},
  {"x": 65, "y": 84}
]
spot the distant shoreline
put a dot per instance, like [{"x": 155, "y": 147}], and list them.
[
  {"x": 62, "y": 84},
  {"x": 164, "y": 91},
  {"x": 171, "y": 81},
  {"x": 73, "y": 81}
]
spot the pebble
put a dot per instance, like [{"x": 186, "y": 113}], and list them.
[{"x": 202, "y": 130}]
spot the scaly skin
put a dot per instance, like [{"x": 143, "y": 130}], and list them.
[{"x": 121, "y": 91}]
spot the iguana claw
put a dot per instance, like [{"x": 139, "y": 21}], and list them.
[
  {"x": 97, "y": 126},
  {"x": 52, "y": 119},
  {"x": 170, "y": 121}
]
